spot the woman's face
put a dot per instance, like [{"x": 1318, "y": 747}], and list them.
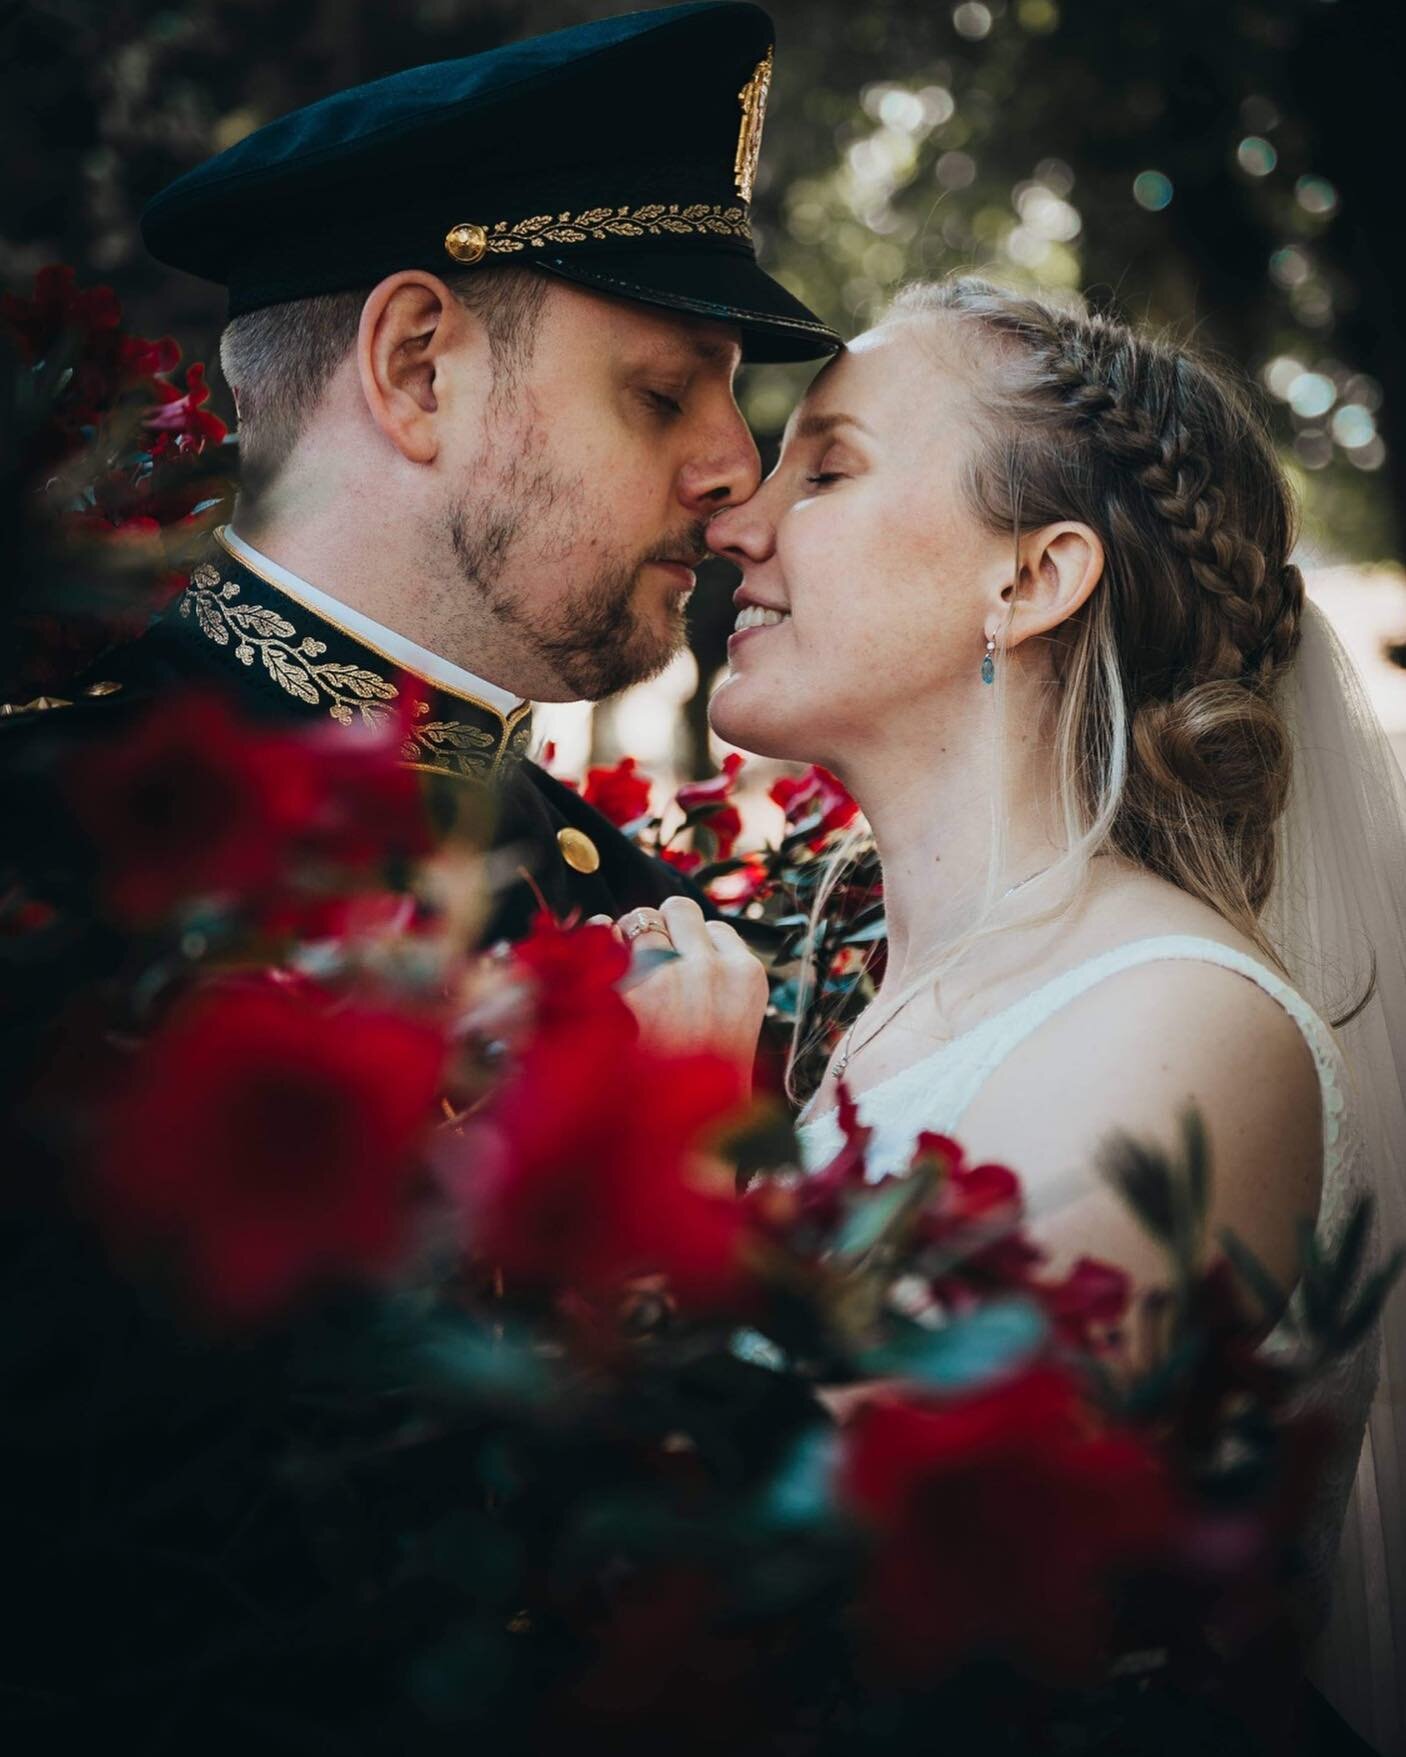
[{"x": 862, "y": 539}]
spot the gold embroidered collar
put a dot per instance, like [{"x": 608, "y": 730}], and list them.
[{"x": 310, "y": 660}]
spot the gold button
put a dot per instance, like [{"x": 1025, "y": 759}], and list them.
[
  {"x": 466, "y": 243},
  {"x": 578, "y": 850},
  {"x": 107, "y": 688}
]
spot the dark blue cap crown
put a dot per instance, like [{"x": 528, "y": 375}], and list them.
[{"x": 619, "y": 154}]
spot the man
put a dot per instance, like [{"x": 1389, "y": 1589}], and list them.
[{"x": 484, "y": 322}]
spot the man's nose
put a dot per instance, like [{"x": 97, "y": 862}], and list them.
[{"x": 727, "y": 472}]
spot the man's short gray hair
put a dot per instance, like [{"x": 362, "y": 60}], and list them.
[{"x": 279, "y": 360}]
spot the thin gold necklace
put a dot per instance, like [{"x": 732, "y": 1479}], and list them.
[{"x": 849, "y": 1048}]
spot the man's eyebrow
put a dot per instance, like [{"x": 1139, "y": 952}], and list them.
[
  {"x": 818, "y": 426},
  {"x": 704, "y": 350}
]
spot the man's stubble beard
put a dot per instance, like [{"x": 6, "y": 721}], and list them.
[{"x": 533, "y": 519}]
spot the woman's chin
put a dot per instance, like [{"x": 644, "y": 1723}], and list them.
[{"x": 749, "y": 716}]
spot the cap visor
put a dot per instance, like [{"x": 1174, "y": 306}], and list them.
[{"x": 726, "y": 287}]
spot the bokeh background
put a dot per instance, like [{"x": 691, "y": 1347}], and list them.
[{"x": 1231, "y": 169}]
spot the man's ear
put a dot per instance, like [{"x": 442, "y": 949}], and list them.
[
  {"x": 410, "y": 326},
  {"x": 1059, "y": 566}
]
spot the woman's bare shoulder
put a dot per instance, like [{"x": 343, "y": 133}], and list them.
[{"x": 1131, "y": 1053}]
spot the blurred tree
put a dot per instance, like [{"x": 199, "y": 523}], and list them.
[{"x": 1229, "y": 169}]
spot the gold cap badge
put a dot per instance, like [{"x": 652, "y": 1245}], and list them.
[
  {"x": 466, "y": 243},
  {"x": 578, "y": 850},
  {"x": 752, "y": 98}
]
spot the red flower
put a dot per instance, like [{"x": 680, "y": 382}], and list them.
[
  {"x": 191, "y": 802},
  {"x": 712, "y": 791},
  {"x": 574, "y": 971},
  {"x": 196, "y": 802},
  {"x": 708, "y": 802},
  {"x": 620, "y": 793},
  {"x": 734, "y": 890},
  {"x": 681, "y": 859},
  {"x": 582, "y": 1177},
  {"x": 1002, "y": 1520},
  {"x": 58, "y": 308},
  {"x": 815, "y": 792},
  {"x": 1091, "y": 1299},
  {"x": 180, "y": 412},
  {"x": 274, "y": 1136}
]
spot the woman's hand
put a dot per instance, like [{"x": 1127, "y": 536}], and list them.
[{"x": 711, "y": 995}]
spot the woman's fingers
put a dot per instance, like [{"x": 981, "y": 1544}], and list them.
[{"x": 687, "y": 927}]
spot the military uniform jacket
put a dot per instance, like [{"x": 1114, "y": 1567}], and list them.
[{"x": 236, "y": 631}]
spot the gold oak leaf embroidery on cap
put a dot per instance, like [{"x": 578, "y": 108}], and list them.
[{"x": 752, "y": 98}]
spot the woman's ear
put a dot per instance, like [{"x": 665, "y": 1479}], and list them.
[
  {"x": 410, "y": 324},
  {"x": 1059, "y": 567}
]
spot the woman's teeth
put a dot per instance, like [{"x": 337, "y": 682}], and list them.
[{"x": 758, "y": 616}]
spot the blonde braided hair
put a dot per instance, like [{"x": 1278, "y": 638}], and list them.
[{"x": 1170, "y": 748}]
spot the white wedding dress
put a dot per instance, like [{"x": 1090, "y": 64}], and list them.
[{"x": 934, "y": 1093}]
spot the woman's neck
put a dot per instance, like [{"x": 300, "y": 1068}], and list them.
[{"x": 928, "y": 802}]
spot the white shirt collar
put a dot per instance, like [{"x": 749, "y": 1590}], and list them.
[{"x": 386, "y": 641}]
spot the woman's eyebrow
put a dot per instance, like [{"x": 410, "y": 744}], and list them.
[{"x": 818, "y": 425}]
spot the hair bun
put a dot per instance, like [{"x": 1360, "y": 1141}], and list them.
[{"x": 1219, "y": 746}]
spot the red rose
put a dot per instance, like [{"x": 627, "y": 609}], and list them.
[
  {"x": 574, "y": 971},
  {"x": 274, "y": 1135},
  {"x": 815, "y": 792},
  {"x": 714, "y": 790},
  {"x": 684, "y": 860},
  {"x": 1002, "y": 1521},
  {"x": 734, "y": 890},
  {"x": 181, "y": 413},
  {"x": 708, "y": 802},
  {"x": 194, "y": 802},
  {"x": 621, "y": 794},
  {"x": 58, "y": 308},
  {"x": 581, "y": 1178},
  {"x": 191, "y": 802}
]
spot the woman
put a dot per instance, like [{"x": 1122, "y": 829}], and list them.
[{"x": 1022, "y": 579}]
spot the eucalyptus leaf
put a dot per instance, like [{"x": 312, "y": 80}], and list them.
[
  {"x": 1345, "y": 1258},
  {"x": 881, "y": 1209},
  {"x": 967, "y": 1352},
  {"x": 1365, "y": 1313},
  {"x": 1271, "y": 1297}
]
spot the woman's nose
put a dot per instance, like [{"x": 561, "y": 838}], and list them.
[{"x": 743, "y": 532}]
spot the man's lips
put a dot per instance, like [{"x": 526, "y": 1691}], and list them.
[{"x": 680, "y": 572}]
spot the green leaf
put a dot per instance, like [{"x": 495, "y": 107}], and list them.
[
  {"x": 967, "y": 1352},
  {"x": 1197, "y": 1159},
  {"x": 1364, "y": 1314},
  {"x": 1143, "y": 1177},
  {"x": 1344, "y": 1259},
  {"x": 799, "y": 1495},
  {"x": 1317, "y": 1310},
  {"x": 883, "y": 1210},
  {"x": 1271, "y": 1297},
  {"x": 863, "y": 936}
]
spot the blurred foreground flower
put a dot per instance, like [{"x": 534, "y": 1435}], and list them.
[
  {"x": 273, "y": 1135},
  {"x": 198, "y": 801},
  {"x": 583, "y": 1171},
  {"x": 1004, "y": 1519}
]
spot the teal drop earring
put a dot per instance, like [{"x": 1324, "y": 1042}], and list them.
[{"x": 988, "y": 664}]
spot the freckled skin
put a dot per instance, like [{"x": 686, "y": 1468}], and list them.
[{"x": 884, "y": 568}]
